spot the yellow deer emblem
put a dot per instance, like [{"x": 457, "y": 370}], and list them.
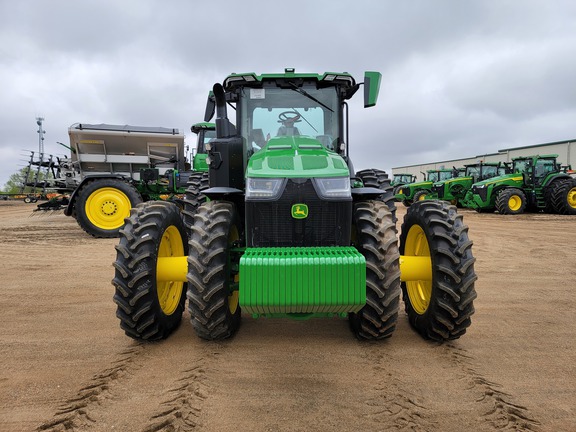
[{"x": 299, "y": 211}]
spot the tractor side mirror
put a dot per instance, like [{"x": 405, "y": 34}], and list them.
[
  {"x": 210, "y": 107},
  {"x": 371, "y": 88}
]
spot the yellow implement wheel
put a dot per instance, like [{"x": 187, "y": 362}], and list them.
[
  {"x": 103, "y": 204},
  {"x": 107, "y": 207},
  {"x": 170, "y": 292},
  {"x": 419, "y": 291}
]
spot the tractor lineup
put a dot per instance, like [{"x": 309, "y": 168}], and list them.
[
  {"x": 285, "y": 227},
  {"x": 417, "y": 191},
  {"x": 532, "y": 183}
]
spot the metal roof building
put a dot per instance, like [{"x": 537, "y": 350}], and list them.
[{"x": 566, "y": 151}]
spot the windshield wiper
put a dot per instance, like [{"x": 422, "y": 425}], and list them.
[
  {"x": 308, "y": 95},
  {"x": 305, "y": 119}
]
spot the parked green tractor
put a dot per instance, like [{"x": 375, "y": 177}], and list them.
[
  {"x": 290, "y": 229},
  {"x": 536, "y": 183},
  {"x": 454, "y": 190},
  {"x": 413, "y": 192},
  {"x": 401, "y": 179}
]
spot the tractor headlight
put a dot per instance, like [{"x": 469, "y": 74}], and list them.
[
  {"x": 333, "y": 188},
  {"x": 264, "y": 188}
]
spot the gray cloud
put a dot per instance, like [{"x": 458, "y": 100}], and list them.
[{"x": 459, "y": 78}]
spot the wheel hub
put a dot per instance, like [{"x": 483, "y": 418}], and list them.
[
  {"x": 514, "y": 203},
  {"x": 572, "y": 197},
  {"x": 109, "y": 208}
]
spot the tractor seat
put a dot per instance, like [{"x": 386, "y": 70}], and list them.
[{"x": 288, "y": 131}]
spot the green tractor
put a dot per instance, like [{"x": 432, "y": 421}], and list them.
[
  {"x": 400, "y": 180},
  {"x": 413, "y": 192},
  {"x": 536, "y": 183},
  {"x": 205, "y": 132},
  {"x": 290, "y": 229},
  {"x": 454, "y": 190}
]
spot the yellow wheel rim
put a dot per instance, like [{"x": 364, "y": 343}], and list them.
[
  {"x": 514, "y": 203},
  {"x": 419, "y": 292},
  {"x": 107, "y": 207},
  {"x": 234, "y": 295},
  {"x": 572, "y": 197},
  {"x": 422, "y": 197},
  {"x": 170, "y": 292}
]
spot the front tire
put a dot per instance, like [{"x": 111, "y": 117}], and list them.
[
  {"x": 375, "y": 238},
  {"x": 439, "y": 309},
  {"x": 102, "y": 206},
  {"x": 511, "y": 201},
  {"x": 213, "y": 270},
  {"x": 420, "y": 195},
  {"x": 147, "y": 308}
]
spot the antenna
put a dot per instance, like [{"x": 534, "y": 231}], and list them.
[{"x": 41, "y": 132}]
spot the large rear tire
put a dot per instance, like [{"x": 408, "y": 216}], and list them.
[
  {"x": 213, "y": 270},
  {"x": 379, "y": 179},
  {"x": 147, "y": 308},
  {"x": 194, "y": 197},
  {"x": 439, "y": 309},
  {"x": 375, "y": 237},
  {"x": 511, "y": 201},
  {"x": 564, "y": 197},
  {"x": 102, "y": 205}
]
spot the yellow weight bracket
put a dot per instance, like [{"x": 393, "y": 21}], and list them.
[{"x": 412, "y": 268}]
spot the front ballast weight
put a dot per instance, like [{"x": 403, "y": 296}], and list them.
[{"x": 161, "y": 262}]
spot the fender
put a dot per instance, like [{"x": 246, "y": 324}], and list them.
[
  {"x": 363, "y": 193},
  {"x": 69, "y": 210}
]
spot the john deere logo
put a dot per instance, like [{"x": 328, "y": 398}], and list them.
[{"x": 299, "y": 211}]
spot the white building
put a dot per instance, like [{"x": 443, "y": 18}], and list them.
[{"x": 566, "y": 151}]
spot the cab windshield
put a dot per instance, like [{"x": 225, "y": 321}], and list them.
[
  {"x": 445, "y": 175},
  {"x": 300, "y": 111}
]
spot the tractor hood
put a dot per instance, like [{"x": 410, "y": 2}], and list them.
[
  {"x": 514, "y": 177},
  {"x": 295, "y": 156}
]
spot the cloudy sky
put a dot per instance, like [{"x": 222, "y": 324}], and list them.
[{"x": 460, "y": 78}]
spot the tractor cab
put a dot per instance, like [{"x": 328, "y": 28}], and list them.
[
  {"x": 302, "y": 117},
  {"x": 535, "y": 169},
  {"x": 205, "y": 132}
]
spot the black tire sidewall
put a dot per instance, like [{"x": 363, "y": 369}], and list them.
[{"x": 135, "y": 275}]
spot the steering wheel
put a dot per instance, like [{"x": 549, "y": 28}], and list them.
[{"x": 286, "y": 119}]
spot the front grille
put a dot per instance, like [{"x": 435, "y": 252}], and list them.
[
  {"x": 438, "y": 190},
  {"x": 270, "y": 223}
]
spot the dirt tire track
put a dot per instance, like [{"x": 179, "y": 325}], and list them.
[
  {"x": 179, "y": 395},
  {"x": 503, "y": 413},
  {"x": 396, "y": 406},
  {"x": 182, "y": 409},
  {"x": 75, "y": 413}
]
